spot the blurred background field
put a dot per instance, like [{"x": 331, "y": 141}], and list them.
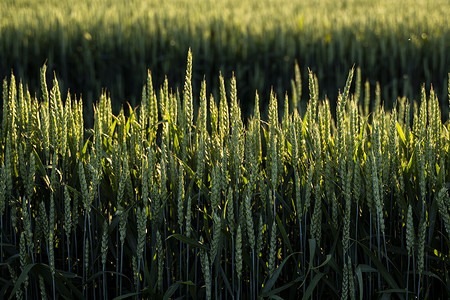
[{"x": 91, "y": 45}]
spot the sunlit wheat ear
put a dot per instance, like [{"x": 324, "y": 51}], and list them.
[
  {"x": 273, "y": 140},
  {"x": 187, "y": 93},
  {"x": 3, "y": 175},
  {"x": 448, "y": 89},
  {"x": 224, "y": 118},
  {"x": 5, "y": 110},
  {"x": 164, "y": 177},
  {"x": 9, "y": 164},
  {"x": 181, "y": 197},
  {"x": 202, "y": 133},
  {"x": 31, "y": 176},
  {"x": 214, "y": 116},
  {"x": 22, "y": 161},
  {"x": 230, "y": 211},
  {"x": 308, "y": 186},
  {"x": 224, "y": 169},
  {"x": 145, "y": 180},
  {"x": 215, "y": 187}
]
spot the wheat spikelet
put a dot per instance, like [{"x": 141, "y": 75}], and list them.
[
  {"x": 104, "y": 245},
  {"x": 308, "y": 186},
  {"x": 42, "y": 287},
  {"x": 249, "y": 221},
  {"x": 204, "y": 260},
  {"x": 260, "y": 237},
  {"x": 298, "y": 87},
  {"x": 188, "y": 216},
  {"x": 410, "y": 235},
  {"x": 272, "y": 247},
  {"x": 230, "y": 210},
  {"x": 134, "y": 265},
  {"x": 26, "y": 219},
  {"x": 145, "y": 179},
  {"x": 224, "y": 122},
  {"x": 22, "y": 161},
  {"x": 313, "y": 99},
  {"x": 163, "y": 178},
  {"x": 23, "y": 257},
  {"x": 351, "y": 281},
  {"x": 5, "y": 107},
  {"x": 31, "y": 176},
  {"x": 19, "y": 292},
  {"x": 217, "y": 236},
  {"x": 42, "y": 223},
  {"x": 345, "y": 283},
  {"x": 51, "y": 251},
  {"x": 273, "y": 140},
  {"x": 160, "y": 255},
  {"x": 123, "y": 214},
  {"x": 141, "y": 220},
  {"x": 181, "y": 197},
  {"x": 444, "y": 208},
  {"x": 347, "y": 211},
  {"x": 215, "y": 187},
  {"x": 86, "y": 257},
  {"x": 377, "y": 196},
  {"x": 84, "y": 187},
  {"x": 239, "y": 252},
  {"x": 53, "y": 179},
  {"x": 421, "y": 246},
  {"x": 3, "y": 175}
]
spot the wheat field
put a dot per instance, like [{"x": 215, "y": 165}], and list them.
[
  {"x": 181, "y": 197},
  {"x": 111, "y": 43}
]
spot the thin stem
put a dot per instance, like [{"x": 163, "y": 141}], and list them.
[
  {"x": 407, "y": 278},
  {"x": 121, "y": 268},
  {"x": 104, "y": 283}
]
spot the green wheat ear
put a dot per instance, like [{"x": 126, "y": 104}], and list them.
[{"x": 238, "y": 250}]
